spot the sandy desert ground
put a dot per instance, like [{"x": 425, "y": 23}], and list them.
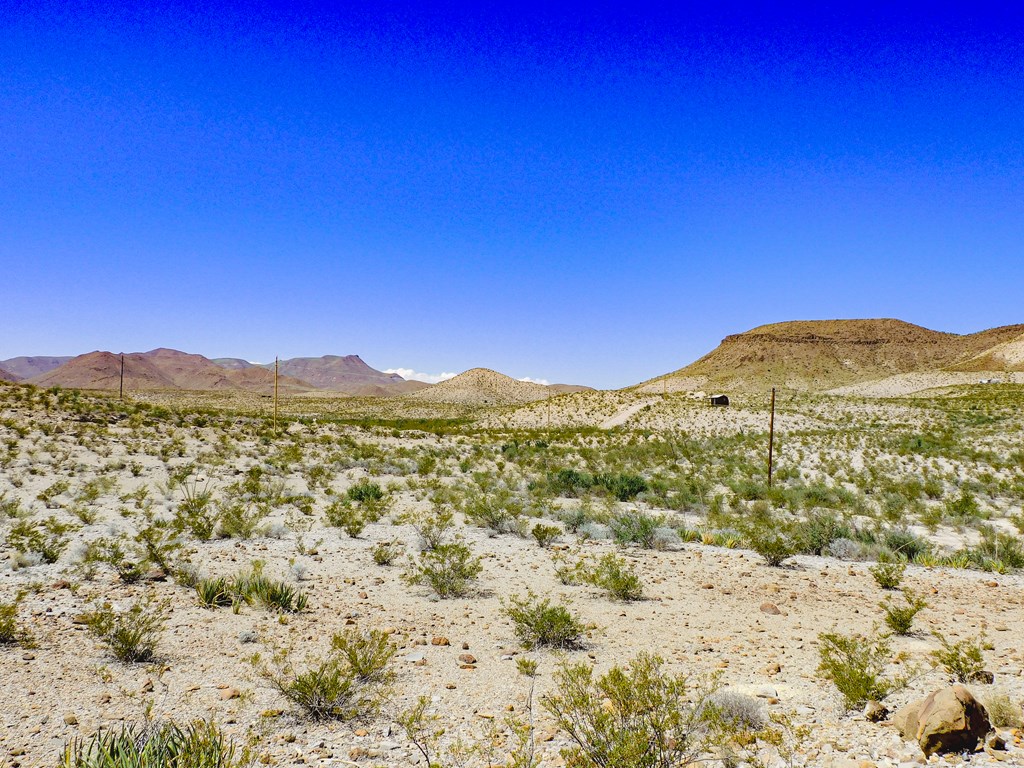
[{"x": 946, "y": 472}]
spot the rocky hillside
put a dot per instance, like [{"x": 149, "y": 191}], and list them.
[
  {"x": 482, "y": 386},
  {"x": 336, "y": 373},
  {"x": 160, "y": 369},
  {"x": 6, "y": 375},
  {"x": 824, "y": 354},
  {"x": 27, "y": 367}
]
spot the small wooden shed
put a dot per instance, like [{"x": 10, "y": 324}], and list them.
[{"x": 720, "y": 400}]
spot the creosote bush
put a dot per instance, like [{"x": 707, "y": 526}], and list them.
[
  {"x": 854, "y": 664},
  {"x": 900, "y": 618},
  {"x": 963, "y": 660},
  {"x": 539, "y": 623},
  {"x": 614, "y": 575},
  {"x": 386, "y": 552},
  {"x": 888, "y": 574},
  {"x": 11, "y": 633},
  {"x": 47, "y": 539},
  {"x": 637, "y": 716},
  {"x": 130, "y": 635},
  {"x": 448, "y": 569}
]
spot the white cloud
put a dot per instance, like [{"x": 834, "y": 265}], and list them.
[
  {"x": 430, "y": 378},
  {"x": 545, "y": 382}
]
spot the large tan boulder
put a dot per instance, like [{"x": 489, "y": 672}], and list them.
[
  {"x": 906, "y": 721},
  {"x": 951, "y": 720}
]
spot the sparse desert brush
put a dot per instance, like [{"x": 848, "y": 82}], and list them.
[
  {"x": 386, "y": 552},
  {"x": 47, "y": 538},
  {"x": 900, "y": 618},
  {"x": 366, "y": 653},
  {"x": 539, "y": 623},
  {"x": 631, "y": 717},
  {"x": 345, "y": 515},
  {"x": 330, "y": 688},
  {"x": 239, "y": 518},
  {"x": 432, "y": 526},
  {"x": 545, "y": 535},
  {"x": 855, "y": 664},
  {"x": 449, "y": 570},
  {"x": 963, "y": 661},
  {"x": 11, "y": 632},
  {"x": 497, "y": 511},
  {"x": 636, "y": 528},
  {"x": 196, "y": 512},
  {"x": 1003, "y": 711},
  {"x": 127, "y": 560},
  {"x": 156, "y": 745},
  {"x": 614, "y": 575},
  {"x": 888, "y": 572},
  {"x": 131, "y": 635},
  {"x": 773, "y": 542}
]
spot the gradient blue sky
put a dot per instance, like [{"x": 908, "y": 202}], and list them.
[{"x": 568, "y": 193}]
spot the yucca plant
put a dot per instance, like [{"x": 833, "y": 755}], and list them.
[
  {"x": 215, "y": 593},
  {"x": 156, "y": 745}
]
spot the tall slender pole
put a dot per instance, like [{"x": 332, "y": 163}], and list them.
[
  {"x": 771, "y": 438},
  {"x": 121, "y": 394},
  {"x": 275, "y": 394}
]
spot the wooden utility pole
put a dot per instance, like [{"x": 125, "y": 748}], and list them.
[
  {"x": 121, "y": 395},
  {"x": 771, "y": 438},
  {"x": 275, "y": 394}
]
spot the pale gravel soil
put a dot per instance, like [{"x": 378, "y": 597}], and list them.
[{"x": 703, "y": 616}]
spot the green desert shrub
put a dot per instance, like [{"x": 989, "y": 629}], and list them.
[
  {"x": 614, "y": 575},
  {"x": 888, "y": 573},
  {"x": 130, "y": 635},
  {"x": 386, "y": 552},
  {"x": 855, "y": 664},
  {"x": 539, "y": 623},
  {"x": 900, "y": 617},
  {"x": 130, "y": 566},
  {"x": 635, "y": 528},
  {"x": 366, "y": 653},
  {"x": 448, "y": 569},
  {"x": 638, "y": 716},
  {"x": 350, "y": 683},
  {"x": 195, "y": 512},
  {"x": 545, "y": 535},
  {"x": 963, "y": 660},
  {"x": 772, "y": 542},
  {"x": 47, "y": 539},
  {"x": 345, "y": 515},
  {"x": 11, "y": 632},
  {"x": 239, "y": 518},
  {"x": 156, "y": 745}
]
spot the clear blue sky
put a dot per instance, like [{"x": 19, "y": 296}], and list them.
[{"x": 571, "y": 194}]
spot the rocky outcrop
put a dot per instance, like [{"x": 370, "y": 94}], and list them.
[{"x": 947, "y": 720}]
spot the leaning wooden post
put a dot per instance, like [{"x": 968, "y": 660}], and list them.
[
  {"x": 121, "y": 393},
  {"x": 771, "y": 438},
  {"x": 275, "y": 394}
]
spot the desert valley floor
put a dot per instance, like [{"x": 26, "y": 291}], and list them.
[{"x": 646, "y": 513}]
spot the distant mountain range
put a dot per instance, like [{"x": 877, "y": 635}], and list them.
[
  {"x": 808, "y": 355},
  {"x": 337, "y": 373},
  {"x": 170, "y": 369}
]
